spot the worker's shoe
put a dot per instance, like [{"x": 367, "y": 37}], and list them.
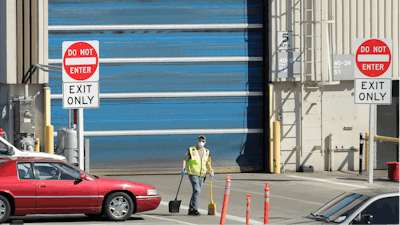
[{"x": 193, "y": 212}]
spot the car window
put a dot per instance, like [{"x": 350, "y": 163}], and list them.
[
  {"x": 1, "y": 163},
  {"x": 55, "y": 171},
  {"x": 384, "y": 211},
  {"x": 69, "y": 172},
  {"x": 25, "y": 171},
  {"x": 3, "y": 148}
]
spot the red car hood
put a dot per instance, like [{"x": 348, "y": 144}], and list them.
[{"x": 124, "y": 181}]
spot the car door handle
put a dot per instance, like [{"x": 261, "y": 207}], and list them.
[{"x": 42, "y": 185}]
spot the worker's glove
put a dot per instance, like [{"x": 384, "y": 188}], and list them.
[
  {"x": 212, "y": 175},
  {"x": 183, "y": 171}
]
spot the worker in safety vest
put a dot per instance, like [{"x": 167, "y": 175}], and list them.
[{"x": 197, "y": 162}]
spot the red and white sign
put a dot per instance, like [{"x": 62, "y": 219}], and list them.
[
  {"x": 80, "y": 61},
  {"x": 373, "y": 58},
  {"x": 373, "y": 71}
]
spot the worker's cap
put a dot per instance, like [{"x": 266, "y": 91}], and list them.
[{"x": 201, "y": 137}]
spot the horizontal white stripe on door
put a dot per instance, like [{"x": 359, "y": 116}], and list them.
[
  {"x": 174, "y": 94},
  {"x": 80, "y": 61},
  {"x": 373, "y": 58},
  {"x": 156, "y": 27},
  {"x": 173, "y": 59},
  {"x": 103, "y": 133}
]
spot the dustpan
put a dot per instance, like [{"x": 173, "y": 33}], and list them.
[{"x": 174, "y": 205}]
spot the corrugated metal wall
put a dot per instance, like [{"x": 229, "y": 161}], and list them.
[
  {"x": 165, "y": 152},
  {"x": 353, "y": 19}
]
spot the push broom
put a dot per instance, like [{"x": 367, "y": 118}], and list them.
[{"x": 212, "y": 208}]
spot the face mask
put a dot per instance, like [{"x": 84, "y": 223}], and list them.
[{"x": 201, "y": 144}]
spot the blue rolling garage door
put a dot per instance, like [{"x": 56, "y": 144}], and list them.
[{"x": 207, "y": 52}]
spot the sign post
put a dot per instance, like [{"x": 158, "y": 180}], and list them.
[
  {"x": 373, "y": 83},
  {"x": 80, "y": 75}
]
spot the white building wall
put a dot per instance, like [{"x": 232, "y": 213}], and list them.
[
  {"x": 310, "y": 113},
  {"x": 8, "y": 45}
]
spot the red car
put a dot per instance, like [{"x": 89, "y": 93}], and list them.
[{"x": 50, "y": 186}]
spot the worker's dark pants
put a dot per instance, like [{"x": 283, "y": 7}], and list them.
[{"x": 197, "y": 183}]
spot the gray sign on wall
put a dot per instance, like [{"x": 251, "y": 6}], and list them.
[
  {"x": 288, "y": 64},
  {"x": 343, "y": 67}
]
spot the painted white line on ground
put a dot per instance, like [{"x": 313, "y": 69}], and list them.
[
  {"x": 162, "y": 218},
  {"x": 133, "y": 223},
  {"x": 326, "y": 181},
  {"x": 276, "y": 196},
  {"x": 229, "y": 217}
]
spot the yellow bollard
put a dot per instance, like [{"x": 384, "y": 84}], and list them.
[
  {"x": 37, "y": 145},
  {"x": 48, "y": 128},
  {"x": 49, "y": 139},
  {"x": 277, "y": 147},
  {"x": 366, "y": 150},
  {"x": 271, "y": 130}
]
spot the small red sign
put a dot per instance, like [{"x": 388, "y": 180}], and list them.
[
  {"x": 373, "y": 58},
  {"x": 80, "y": 61}
]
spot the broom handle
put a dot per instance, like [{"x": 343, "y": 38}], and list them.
[
  {"x": 211, "y": 183},
  {"x": 211, "y": 192},
  {"x": 178, "y": 188}
]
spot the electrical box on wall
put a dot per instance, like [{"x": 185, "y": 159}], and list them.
[{"x": 24, "y": 116}]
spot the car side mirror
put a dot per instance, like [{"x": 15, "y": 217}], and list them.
[
  {"x": 367, "y": 219},
  {"x": 10, "y": 150},
  {"x": 84, "y": 177}
]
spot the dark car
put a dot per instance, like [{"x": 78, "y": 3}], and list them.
[
  {"x": 51, "y": 186},
  {"x": 363, "y": 206}
]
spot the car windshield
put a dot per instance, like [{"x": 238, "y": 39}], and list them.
[{"x": 340, "y": 206}]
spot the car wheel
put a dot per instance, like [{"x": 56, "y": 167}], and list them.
[
  {"x": 118, "y": 206},
  {"x": 5, "y": 209}
]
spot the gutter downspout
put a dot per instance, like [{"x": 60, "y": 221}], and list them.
[{"x": 267, "y": 65}]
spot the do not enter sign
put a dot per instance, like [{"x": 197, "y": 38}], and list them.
[
  {"x": 80, "y": 61},
  {"x": 373, "y": 71},
  {"x": 373, "y": 58}
]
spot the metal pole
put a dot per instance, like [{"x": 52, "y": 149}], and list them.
[
  {"x": 332, "y": 152},
  {"x": 69, "y": 118},
  {"x": 80, "y": 139},
  {"x": 366, "y": 150},
  {"x": 361, "y": 154},
  {"x": 87, "y": 154},
  {"x": 371, "y": 144}
]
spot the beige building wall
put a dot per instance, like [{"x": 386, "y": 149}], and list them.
[
  {"x": 23, "y": 41},
  {"x": 314, "y": 106}
]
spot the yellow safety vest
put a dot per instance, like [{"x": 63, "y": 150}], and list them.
[{"x": 195, "y": 164}]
